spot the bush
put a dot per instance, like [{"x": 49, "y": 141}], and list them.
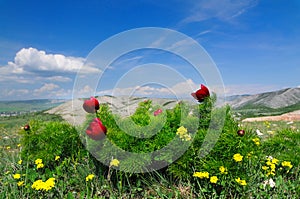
[{"x": 47, "y": 140}]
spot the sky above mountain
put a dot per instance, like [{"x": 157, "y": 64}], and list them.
[{"x": 48, "y": 46}]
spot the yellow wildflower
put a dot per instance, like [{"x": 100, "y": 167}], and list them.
[
  {"x": 241, "y": 182},
  {"x": 183, "y": 134},
  {"x": 20, "y": 183},
  {"x": 89, "y": 177},
  {"x": 49, "y": 184},
  {"x": 223, "y": 170},
  {"x": 19, "y": 145},
  {"x": 201, "y": 175},
  {"x": 41, "y": 165},
  {"x": 57, "y": 157},
  {"x": 238, "y": 157},
  {"x": 287, "y": 164},
  {"x": 38, "y": 161},
  {"x": 8, "y": 147},
  {"x": 114, "y": 162},
  {"x": 256, "y": 141},
  {"x": 213, "y": 179},
  {"x": 45, "y": 186},
  {"x": 272, "y": 166},
  {"x": 275, "y": 161},
  {"x": 265, "y": 168},
  {"x": 37, "y": 185},
  {"x": 20, "y": 162},
  {"x": 17, "y": 176}
]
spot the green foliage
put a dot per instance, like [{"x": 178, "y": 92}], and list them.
[
  {"x": 141, "y": 116},
  {"x": 144, "y": 133},
  {"x": 49, "y": 139}
]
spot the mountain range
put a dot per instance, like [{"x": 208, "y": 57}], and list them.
[
  {"x": 274, "y": 100},
  {"x": 263, "y": 104}
]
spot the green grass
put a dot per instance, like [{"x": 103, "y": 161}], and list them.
[
  {"x": 16, "y": 122},
  {"x": 251, "y": 110},
  {"x": 49, "y": 138},
  {"x": 28, "y": 105}
]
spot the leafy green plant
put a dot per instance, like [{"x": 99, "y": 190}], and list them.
[{"x": 50, "y": 139}]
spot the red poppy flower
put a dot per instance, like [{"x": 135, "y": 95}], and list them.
[
  {"x": 96, "y": 130},
  {"x": 157, "y": 112},
  {"x": 241, "y": 132},
  {"x": 201, "y": 94},
  {"x": 91, "y": 105},
  {"x": 26, "y": 127}
]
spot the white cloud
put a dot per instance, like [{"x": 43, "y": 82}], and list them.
[
  {"x": 224, "y": 10},
  {"x": 182, "y": 89},
  {"x": 15, "y": 92},
  {"x": 58, "y": 79},
  {"x": 84, "y": 91},
  {"x": 248, "y": 89},
  {"x": 33, "y": 60},
  {"x": 46, "y": 88}
]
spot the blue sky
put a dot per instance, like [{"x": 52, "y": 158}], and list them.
[{"x": 255, "y": 44}]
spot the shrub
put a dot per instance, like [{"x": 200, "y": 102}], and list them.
[{"x": 47, "y": 140}]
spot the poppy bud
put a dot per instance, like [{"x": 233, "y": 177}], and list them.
[
  {"x": 96, "y": 130},
  {"x": 26, "y": 127},
  {"x": 157, "y": 112},
  {"x": 201, "y": 94},
  {"x": 91, "y": 105},
  {"x": 241, "y": 132}
]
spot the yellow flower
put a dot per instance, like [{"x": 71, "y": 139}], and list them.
[
  {"x": 275, "y": 161},
  {"x": 57, "y": 157},
  {"x": 41, "y": 165},
  {"x": 89, "y": 177},
  {"x": 223, "y": 170},
  {"x": 265, "y": 168},
  {"x": 8, "y": 147},
  {"x": 49, "y": 184},
  {"x": 19, "y": 145},
  {"x": 17, "y": 176},
  {"x": 213, "y": 179},
  {"x": 256, "y": 141},
  {"x": 287, "y": 164},
  {"x": 238, "y": 157},
  {"x": 269, "y": 163},
  {"x": 37, "y": 185},
  {"x": 201, "y": 175},
  {"x": 45, "y": 186},
  {"x": 272, "y": 166},
  {"x": 20, "y": 183},
  {"x": 183, "y": 134},
  {"x": 241, "y": 182},
  {"x": 114, "y": 162},
  {"x": 270, "y": 173},
  {"x": 20, "y": 162},
  {"x": 38, "y": 161}
]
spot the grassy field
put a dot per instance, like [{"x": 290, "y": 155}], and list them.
[
  {"x": 29, "y": 105},
  {"x": 50, "y": 160}
]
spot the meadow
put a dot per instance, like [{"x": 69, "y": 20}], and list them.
[{"x": 53, "y": 159}]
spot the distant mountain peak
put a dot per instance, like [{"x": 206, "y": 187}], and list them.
[{"x": 273, "y": 99}]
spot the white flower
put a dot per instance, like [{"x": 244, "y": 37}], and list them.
[
  {"x": 269, "y": 157},
  {"x": 259, "y": 133},
  {"x": 269, "y": 182}
]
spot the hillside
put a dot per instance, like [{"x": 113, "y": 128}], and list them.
[
  {"x": 73, "y": 112},
  {"x": 13, "y": 108},
  {"x": 266, "y": 104},
  {"x": 274, "y": 100}
]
